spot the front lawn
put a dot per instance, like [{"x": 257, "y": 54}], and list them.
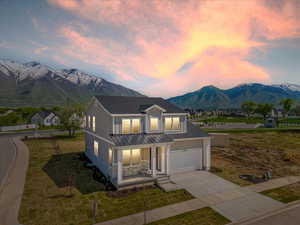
[
  {"x": 257, "y": 153},
  {"x": 48, "y": 200},
  {"x": 285, "y": 194},
  {"x": 204, "y": 216}
]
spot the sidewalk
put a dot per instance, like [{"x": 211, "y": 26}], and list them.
[
  {"x": 274, "y": 183},
  {"x": 158, "y": 213},
  {"x": 12, "y": 189}
]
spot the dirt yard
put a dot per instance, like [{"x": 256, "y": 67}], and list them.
[{"x": 257, "y": 153}]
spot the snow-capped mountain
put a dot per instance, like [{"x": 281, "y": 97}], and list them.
[
  {"x": 37, "y": 84},
  {"x": 288, "y": 86}
]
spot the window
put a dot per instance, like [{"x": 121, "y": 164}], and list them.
[
  {"x": 94, "y": 123},
  {"x": 130, "y": 126},
  {"x": 89, "y": 122},
  {"x": 172, "y": 123},
  {"x": 96, "y": 148},
  {"x": 153, "y": 123},
  {"x": 131, "y": 157},
  {"x": 110, "y": 156}
]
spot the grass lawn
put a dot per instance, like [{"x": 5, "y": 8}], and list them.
[
  {"x": 250, "y": 120},
  {"x": 253, "y": 130},
  {"x": 204, "y": 216},
  {"x": 257, "y": 153},
  {"x": 285, "y": 194},
  {"x": 46, "y": 197}
]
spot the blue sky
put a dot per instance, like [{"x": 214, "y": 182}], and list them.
[{"x": 160, "y": 48}]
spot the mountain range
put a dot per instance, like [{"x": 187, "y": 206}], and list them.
[
  {"x": 34, "y": 84},
  {"x": 211, "y": 97}
]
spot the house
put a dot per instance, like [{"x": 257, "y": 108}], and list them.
[
  {"x": 133, "y": 140},
  {"x": 45, "y": 118}
]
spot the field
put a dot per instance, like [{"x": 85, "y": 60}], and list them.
[
  {"x": 205, "y": 216},
  {"x": 51, "y": 199},
  {"x": 256, "y": 153}
]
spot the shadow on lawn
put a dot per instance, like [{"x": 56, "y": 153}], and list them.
[{"x": 63, "y": 166}]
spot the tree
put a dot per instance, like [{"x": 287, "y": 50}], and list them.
[
  {"x": 264, "y": 109},
  {"x": 249, "y": 107},
  {"x": 287, "y": 105},
  {"x": 297, "y": 110},
  {"x": 71, "y": 118}
]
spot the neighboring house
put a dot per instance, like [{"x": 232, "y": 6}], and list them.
[
  {"x": 45, "y": 118},
  {"x": 133, "y": 140}
]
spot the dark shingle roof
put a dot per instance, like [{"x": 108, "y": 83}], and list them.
[
  {"x": 44, "y": 114},
  {"x": 135, "y": 105},
  {"x": 140, "y": 139},
  {"x": 192, "y": 132}
]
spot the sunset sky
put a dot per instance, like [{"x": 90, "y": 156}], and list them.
[{"x": 158, "y": 47}]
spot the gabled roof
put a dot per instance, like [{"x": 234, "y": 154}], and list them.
[
  {"x": 135, "y": 105},
  {"x": 43, "y": 114}
]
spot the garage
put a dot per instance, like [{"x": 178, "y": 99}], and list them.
[{"x": 185, "y": 160}]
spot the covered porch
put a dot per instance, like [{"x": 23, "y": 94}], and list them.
[{"x": 142, "y": 163}]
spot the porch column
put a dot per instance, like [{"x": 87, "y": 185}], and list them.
[
  {"x": 167, "y": 159},
  {"x": 206, "y": 153},
  {"x": 153, "y": 160},
  {"x": 163, "y": 159},
  {"x": 120, "y": 166}
]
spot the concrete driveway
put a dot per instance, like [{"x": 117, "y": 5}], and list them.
[{"x": 229, "y": 199}]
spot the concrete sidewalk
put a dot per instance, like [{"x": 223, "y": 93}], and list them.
[
  {"x": 274, "y": 183},
  {"x": 158, "y": 213},
  {"x": 12, "y": 190}
]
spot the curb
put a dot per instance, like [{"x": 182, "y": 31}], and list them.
[{"x": 266, "y": 215}]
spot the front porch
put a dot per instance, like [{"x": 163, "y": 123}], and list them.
[{"x": 144, "y": 164}]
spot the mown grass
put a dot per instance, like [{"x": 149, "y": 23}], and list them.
[
  {"x": 204, "y": 216},
  {"x": 257, "y": 153},
  {"x": 285, "y": 194},
  {"x": 47, "y": 199},
  {"x": 251, "y": 120}
]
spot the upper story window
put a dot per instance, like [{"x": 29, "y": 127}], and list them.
[
  {"x": 89, "y": 122},
  {"x": 172, "y": 123},
  {"x": 96, "y": 148},
  {"x": 94, "y": 123},
  {"x": 154, "y": 123},
  {"x": 130, "y": 126}
]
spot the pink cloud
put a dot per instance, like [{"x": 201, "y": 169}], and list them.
[{"x": 217, "y": 36}]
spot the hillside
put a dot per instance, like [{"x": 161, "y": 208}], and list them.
[
  {"x": 211, "y": 97},
  {"x": 34, "y": 84}
]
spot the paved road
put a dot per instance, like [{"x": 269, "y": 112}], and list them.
[
  {"x": 290, "y": 216},
  {"x": 30, "y": 133},
  {"x": 7, "y": 155}
]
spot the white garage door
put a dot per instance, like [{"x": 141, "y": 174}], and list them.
[{"x": 185, "y": 160}]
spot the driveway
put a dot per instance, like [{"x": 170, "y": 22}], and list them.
[{"x": 229, "y": 199}]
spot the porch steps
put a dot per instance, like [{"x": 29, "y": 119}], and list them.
[{"x": 166, "y": 184}]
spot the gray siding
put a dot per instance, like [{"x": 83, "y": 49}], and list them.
[
  {"x": 187, "y": 144},
  {"x": 101, "y": 162},
  {"x": 103, "y": 120}
]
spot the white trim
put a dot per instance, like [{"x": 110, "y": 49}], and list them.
[
  {"x": 127, "y": 114},
  {"x": 190, "y": 139},
  {"x": 113, "y": 125},
  {"x": 97, "y": 136},
  {"x": 141, "y": 146},
  {"x": 157, "y": 106},
  {"x": 175, "y": 114}
]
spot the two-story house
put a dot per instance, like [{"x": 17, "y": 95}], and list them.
[{"x": 138, "y": 139}]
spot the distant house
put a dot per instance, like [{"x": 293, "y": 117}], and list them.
[{"x": 45, "y": 118}]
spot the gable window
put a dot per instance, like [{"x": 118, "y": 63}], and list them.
[
  {"x": 153, "y": 123},
  {"x": 130, "y": 126},
  {"x": 172, "y": 123},
  {"x": 94, "y": 123},
  {"x": 96, "y": 148}
]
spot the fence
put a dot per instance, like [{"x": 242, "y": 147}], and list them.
[{"x": 19, "y": 127}]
